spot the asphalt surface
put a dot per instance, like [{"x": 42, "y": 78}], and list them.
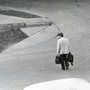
[{"x": 24, "y": 63}]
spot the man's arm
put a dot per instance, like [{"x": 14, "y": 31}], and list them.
[{"x": 58, "y": 48}]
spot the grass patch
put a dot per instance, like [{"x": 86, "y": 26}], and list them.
[
  {"x": 18, "y": 14},
  {"x": 8, "y": 38}
]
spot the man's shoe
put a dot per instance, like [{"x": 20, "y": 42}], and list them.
[
  {"x": 67, "y": 67},
  {"x": 63, "y": 68},
  {"x": 72, "y": 63}
]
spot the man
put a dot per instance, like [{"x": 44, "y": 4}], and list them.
[{"x": 63, "y": 49}]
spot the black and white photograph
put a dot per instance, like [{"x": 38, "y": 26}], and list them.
[{"x": 44, "y": 44}]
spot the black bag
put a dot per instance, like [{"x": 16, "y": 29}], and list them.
[
  {"x": 57, "y": 60},
  {"x": 70, "y": 57}
]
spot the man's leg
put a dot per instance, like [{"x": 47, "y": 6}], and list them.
[
  {"x": 66, "y": 64},
  {"x": 62, "y": 63},
  {"x": 66, "y": 61}
]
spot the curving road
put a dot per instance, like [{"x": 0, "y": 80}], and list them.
[{"x": 23, "y": 64}]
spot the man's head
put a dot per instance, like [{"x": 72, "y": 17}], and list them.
[{"x": 60, "y": 34}]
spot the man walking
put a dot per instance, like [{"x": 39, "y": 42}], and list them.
[{"x": 63, "y": 49}]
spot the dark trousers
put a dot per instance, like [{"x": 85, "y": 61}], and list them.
[{"x": 64, "y": 61}]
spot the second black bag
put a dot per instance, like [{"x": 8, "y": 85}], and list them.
[{"x": 70, "y": 57}]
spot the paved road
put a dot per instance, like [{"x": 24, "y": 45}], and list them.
[{"x": 20, "y": 68}]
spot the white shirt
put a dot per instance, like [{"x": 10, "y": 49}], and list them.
[{"x": 63, "y": 46}]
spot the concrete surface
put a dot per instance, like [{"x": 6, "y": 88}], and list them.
[{"x": 23, "y": 67}]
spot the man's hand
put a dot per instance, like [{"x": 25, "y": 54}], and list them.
[{"x": 57, "y": 54}]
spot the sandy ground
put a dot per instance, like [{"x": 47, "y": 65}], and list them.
[
  {"x": 27, "y": 64},
  {"x": 68, "y": 84}
]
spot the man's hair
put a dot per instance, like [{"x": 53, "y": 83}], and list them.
[{"x": 60, "y": 34}]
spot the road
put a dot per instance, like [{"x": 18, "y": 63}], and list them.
[{"x": 23, "y": 64}]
